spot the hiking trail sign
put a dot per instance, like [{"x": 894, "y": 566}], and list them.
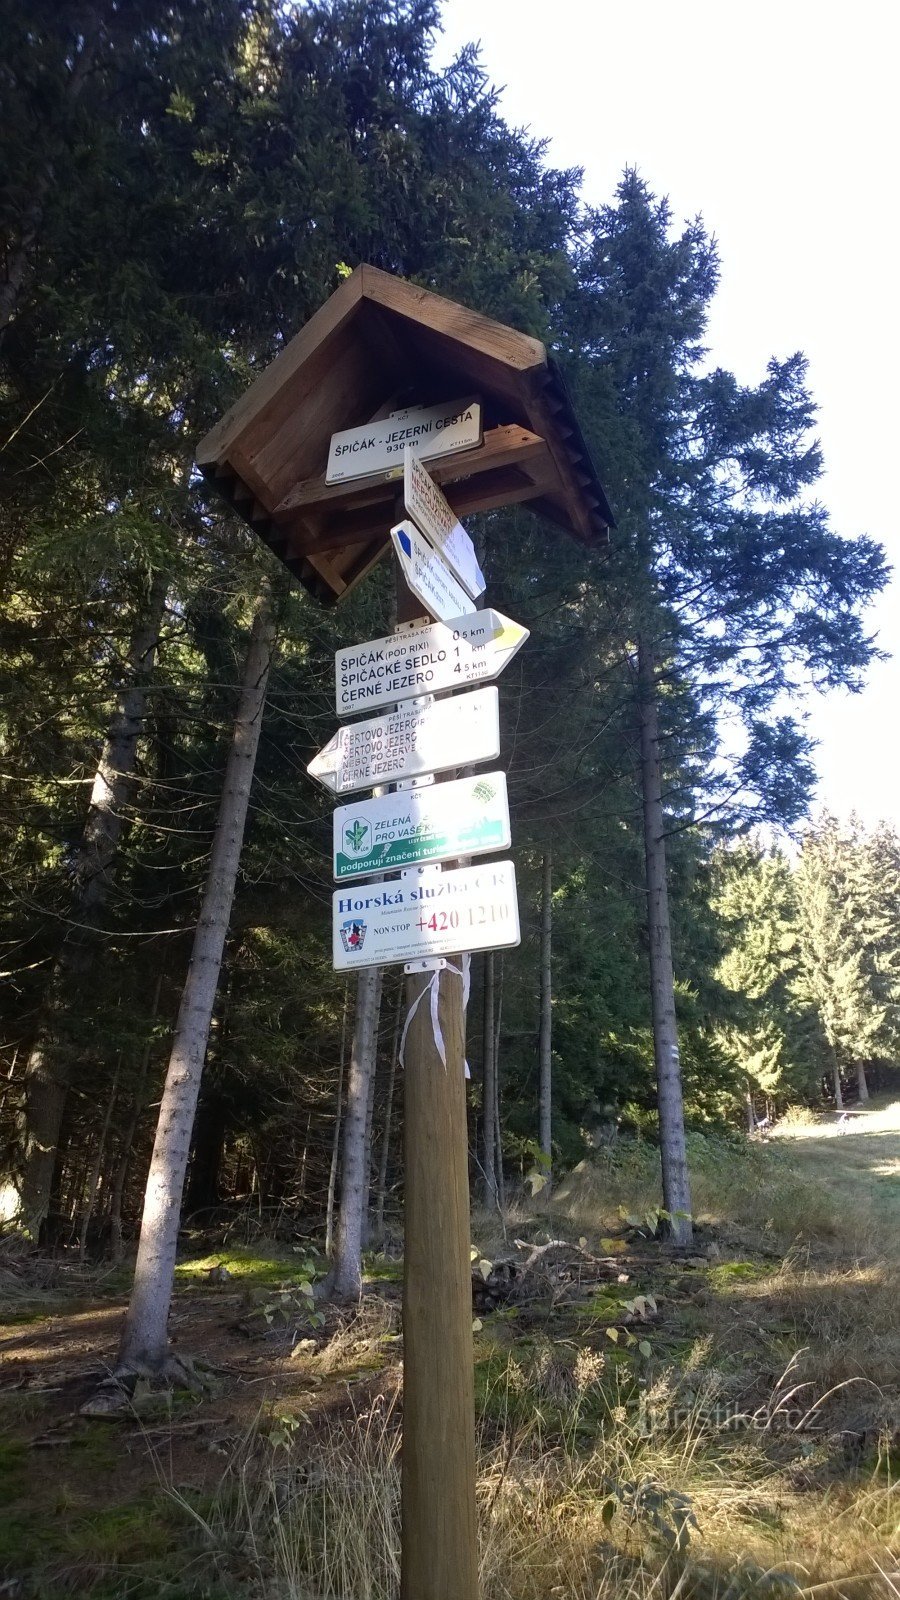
[
  {"x": 428, "y": 430},
  {"x": 427, "y": 914},
  {"x": 466, "y": 817},
  {"x": 434, "y": 517},
  {"x": 411, "y": 741},
  {"x": 427, "y": 575},
  {"x": 314, "y": 458},
  {"x": 446, "y": 655}
]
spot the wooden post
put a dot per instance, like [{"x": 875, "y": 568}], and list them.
[
  {"x": 440, "y": 1545},
  {"x": 439, "y": 1558}
]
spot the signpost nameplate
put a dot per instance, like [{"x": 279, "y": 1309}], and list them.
[
  {"x": 432, "y": 514},
  {"x": 427, "y": 575},
  {"x": 445, "y": 655},
  {"x": 467, "y": 817},
  {"x": 411, "y": 741},
  {"x": 427, "y": 430},
  {"x": 432, "y": 914}
]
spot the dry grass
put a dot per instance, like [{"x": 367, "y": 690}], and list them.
[
  {"x": 361, "y": 1340},
  {"x": 749, "y": 1458},
  {"x": 682, "y": 1511},
  {"x": 743, "y": 1186}
]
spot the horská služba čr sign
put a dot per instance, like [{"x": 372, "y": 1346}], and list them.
[{"x": 433, "y": 914}]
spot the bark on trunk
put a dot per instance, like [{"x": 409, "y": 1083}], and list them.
[
  {"x": 498, "y": 1126},
  {"x": 489, "y": 1087},
  {"x": 861, "y": 1081},
  {"x": 546, "y": 1034},
  {"x": 336, "y": 1141},
  {"x": 381, "y": 1191},
  {"x": 836, "y": 1079},
  {"x": 144, "y": 1340},
  {"x": 367, "y": 1148},
  {"x": 345, "y": 1279},
  {"x": 751, "y": 1114},
  {"x": 48, "y": 1069},
  {"x": 675, "y": 1180}
]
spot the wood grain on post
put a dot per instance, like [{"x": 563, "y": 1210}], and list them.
[
  {"x": 440, "y": 1547},
  {"x": 439, "y": 1559}
]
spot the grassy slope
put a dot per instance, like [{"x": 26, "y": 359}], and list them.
[{"x": 728, "y": 1434}]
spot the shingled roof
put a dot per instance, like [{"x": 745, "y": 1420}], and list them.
[{"x": 377, "y": 344}]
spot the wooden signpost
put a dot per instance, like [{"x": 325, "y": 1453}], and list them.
[{"x": 313, "y": 456}]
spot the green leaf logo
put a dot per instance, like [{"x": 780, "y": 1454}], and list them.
[{"x": 356, "y": 836}]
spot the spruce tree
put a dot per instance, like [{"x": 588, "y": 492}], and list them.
[{"x": 736, "y": 584}]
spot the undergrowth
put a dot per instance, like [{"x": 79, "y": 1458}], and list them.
[
  {"x": 735, "y": 1184},
  {"x": 635, "y": 1510}
]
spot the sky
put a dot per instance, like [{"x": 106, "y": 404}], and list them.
[{"x": 778, "y": 123}]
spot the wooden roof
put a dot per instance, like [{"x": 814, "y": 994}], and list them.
[{"x": 377, "y": 344}]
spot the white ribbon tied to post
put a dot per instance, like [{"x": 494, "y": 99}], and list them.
[{"x": 432, "y": 989}]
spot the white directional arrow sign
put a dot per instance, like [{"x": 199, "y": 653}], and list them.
[
  {"x": 446, "y": 655},
  {"x": 410, "y": 741},
  {"x": 432, "y": 514},
  {"x": 427, "y": 574}
]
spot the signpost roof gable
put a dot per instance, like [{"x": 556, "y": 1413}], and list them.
[{"x": 380, "y": 343}]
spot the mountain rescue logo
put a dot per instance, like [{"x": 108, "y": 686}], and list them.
[{"x": 353, "y": 934}]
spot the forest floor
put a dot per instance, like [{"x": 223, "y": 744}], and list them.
[{"x": 723, "y": 1423}]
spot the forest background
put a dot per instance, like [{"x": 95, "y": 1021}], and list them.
[{"x": 184, "y": 184}]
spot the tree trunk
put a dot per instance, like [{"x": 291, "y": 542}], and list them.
[
  {"x": 546, "y": 1033},
  {"x": 673, "y": 1152},
  {"x": 751, "y": 1114},
  {"x": 207, "y": 1151},
  {"x": 48, "y": 1069},
  {"x": 304, "y": 1159},
  {"x": 336, "y": 1141},
  {"x": 118, "y": 1185},
  {"x": 388, "y": 1119},
  {"x": 836, "y": 1079},
  {"x": 94, "y": 1180},
  {"x": 489, "y": 1086},
  {"x": 144, "y": 1340},
  {"x": 498, "y": 1128},
  {"x": 345, "y": 1278},
  {"x": 367, "y": 1147},
  {"x": 861, "y": 1081}
]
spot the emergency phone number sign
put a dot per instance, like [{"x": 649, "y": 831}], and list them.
[{"x": 427, "y": 913}]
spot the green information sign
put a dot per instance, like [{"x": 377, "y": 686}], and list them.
[{"x": 468, "y": 817}]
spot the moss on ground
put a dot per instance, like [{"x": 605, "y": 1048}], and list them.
[{"x": 250, "y": 1266}]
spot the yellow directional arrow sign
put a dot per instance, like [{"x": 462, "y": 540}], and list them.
[{"x": 446, "y": 655}]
